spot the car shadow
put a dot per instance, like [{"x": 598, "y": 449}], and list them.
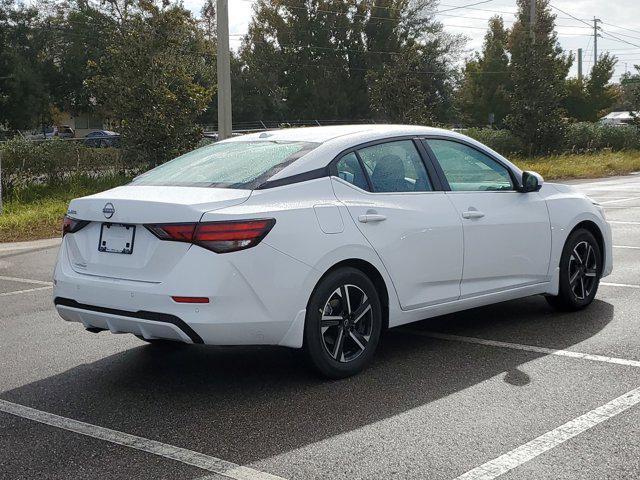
[{"x": 245, "y": 404}]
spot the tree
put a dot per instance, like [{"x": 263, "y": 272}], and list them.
[
  {"x": 538, "y": 70},
  {"x": 587, "y": 100},
  {"x": 25, "y": 69},
  {"x": 155, "y": 79},
  {"x": 485, "y": 85},
  {"x": 600, "y": 93},
  {"x": 328, "y": 58}
]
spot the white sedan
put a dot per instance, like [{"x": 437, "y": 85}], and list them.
[{"x": 320, "y": 238}]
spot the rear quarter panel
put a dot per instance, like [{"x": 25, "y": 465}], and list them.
[{"x": 304, "y": 212}]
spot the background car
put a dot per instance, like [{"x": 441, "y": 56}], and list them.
[
  {"x": 320, "y": 238},
  {"x": 102, "y": 139}
]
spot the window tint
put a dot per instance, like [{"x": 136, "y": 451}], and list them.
[
  {"x": 229, "y": 165},
  {"x": 467, "y": 169},
  {"x": 349, "y": 170},
  {"x": 395, "y": 167}
]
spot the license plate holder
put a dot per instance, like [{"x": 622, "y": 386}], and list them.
[{"x": 117, "y": 238}]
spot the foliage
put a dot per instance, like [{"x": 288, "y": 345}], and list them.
[
  {"x": 155, "y": 80},
  {"x": 580, "y": 137},
  {"x": 587, "y": 100},
  {"x": 26, "y": 74},
  {"x": 585, "y": 137},
  {"x": 26, "y": 163},
  {"x": 333, "y": 59},
  {"x": 35, "y": 211},
  {"x": 593, "y": 165},
  {"x": 538, "y": 70},
  {"x": 502, "y": 141},
  {"x": 486, "y": 79}
]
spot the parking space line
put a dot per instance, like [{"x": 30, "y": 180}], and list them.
[
  {"x": 627, "y": 199},
  {"x": 24, "y": 280},
  {"x": 527, "y": 348},
  {"x": 18, "y": 292},
  {"x": 188, "y": 457},
  {"x": 626, "y": 246},
  {"x": 522, "y": 454},
  {"x": 627, "y": 285},
  {"x": 619, "y": 222}
]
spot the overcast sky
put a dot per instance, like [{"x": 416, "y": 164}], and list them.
[{"x": 621, "y": 18}]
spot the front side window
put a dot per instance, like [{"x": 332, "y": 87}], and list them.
[
  {"x": 395, "y": 167},
  {"x": 227, "y": 165},
  {"x": 467, "y": 169}
]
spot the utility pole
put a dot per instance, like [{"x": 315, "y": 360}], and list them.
[
  {"x": 595, "y": 40},
  {"x": 223, "y": 62},
  {"x": 532, "y": 20},
  {"x": 580, "y": 64}
]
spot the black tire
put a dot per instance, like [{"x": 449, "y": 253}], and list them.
[
  {"x": 334, "y": 346},
  {"x": 580, "y": 271}
]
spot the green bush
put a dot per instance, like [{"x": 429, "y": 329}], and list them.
[
  {"x": 587, "y": 137},
  {"x": 581, "y": 137},
  {"x": 48, "y": 162},
  {"x": 502, "y": 141}
]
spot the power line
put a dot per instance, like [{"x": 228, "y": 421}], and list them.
[{"x": 464, "y": 6}]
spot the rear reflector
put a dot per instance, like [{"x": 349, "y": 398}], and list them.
[
  {"x": 190, "y": 299},
  {"x": 219, "y": 237},
  {"x": 72, "y": 225}
]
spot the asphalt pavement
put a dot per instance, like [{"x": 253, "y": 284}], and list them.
[{"x": 514, "y": 390}]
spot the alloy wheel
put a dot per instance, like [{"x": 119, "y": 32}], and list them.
[
  {"x": 346, "y": 323},
  {"x": 583, "y": 270}
]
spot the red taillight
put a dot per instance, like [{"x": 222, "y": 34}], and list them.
[
  {"x": 72, "y": 225},
  {"x": 190, "y": 299},
  {"x": 220, "y": 237}
]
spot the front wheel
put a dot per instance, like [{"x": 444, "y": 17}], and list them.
[
  {"x": 343, "y": 323},
  {"x": 580, "y": 270}
]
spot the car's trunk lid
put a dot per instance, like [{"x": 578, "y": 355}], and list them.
[{"x": 150, "y": 259}]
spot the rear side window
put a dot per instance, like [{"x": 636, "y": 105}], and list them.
[
  {"x": 349, "y": 170},
  {"x": 395, "y": 167},
  {"x": 228, "y": 165},
  {"x": 468, "y": 169}
]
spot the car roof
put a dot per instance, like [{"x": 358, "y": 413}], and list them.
[{"x": 333, "y": 140}]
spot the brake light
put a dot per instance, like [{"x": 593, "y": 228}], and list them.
[
  {"x": 219, "y": 237},
  {"x": 72, "y": 225},
  {"x": 190, "y": 299}
]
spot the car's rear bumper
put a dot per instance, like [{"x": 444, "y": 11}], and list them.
[
  {"x": 255, "y": 298},
  {"x": 149, "y": 325}
]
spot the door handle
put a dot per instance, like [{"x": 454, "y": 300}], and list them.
[
  {"x": 472, "y": 214},
  {"x": 371, "y": 217}
]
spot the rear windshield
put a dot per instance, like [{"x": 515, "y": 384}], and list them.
[{"x": 243, "y": 165}]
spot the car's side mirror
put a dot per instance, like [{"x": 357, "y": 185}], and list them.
[{"x": 531, "y": 182}]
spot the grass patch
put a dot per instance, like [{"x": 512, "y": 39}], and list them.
[
  {"x": 36, "y": 212},
  {"x": 588, "y": 165}
]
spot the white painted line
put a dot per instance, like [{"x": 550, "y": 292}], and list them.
[
  {"x": 28, "y": 290},
  {"x": 628, "y": 199},
  {"x": 25, "y": 280},
  {"x": 528, "y": 348},
  {"x": 623, "y": 223},
  {"x": 626, "y": 246},
  {"x": 627, "y": 285},
  {"x": 189, "y": 457},
  {"x": 522, "y": 454}
]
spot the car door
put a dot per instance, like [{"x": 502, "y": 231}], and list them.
[
  {"x": 411, "y": 224},
  {"x": 507, "y": 234}
]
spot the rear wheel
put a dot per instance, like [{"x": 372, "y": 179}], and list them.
[
  {"x": 580, "y": 270},
  {"x": 343, "y": 323}
]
